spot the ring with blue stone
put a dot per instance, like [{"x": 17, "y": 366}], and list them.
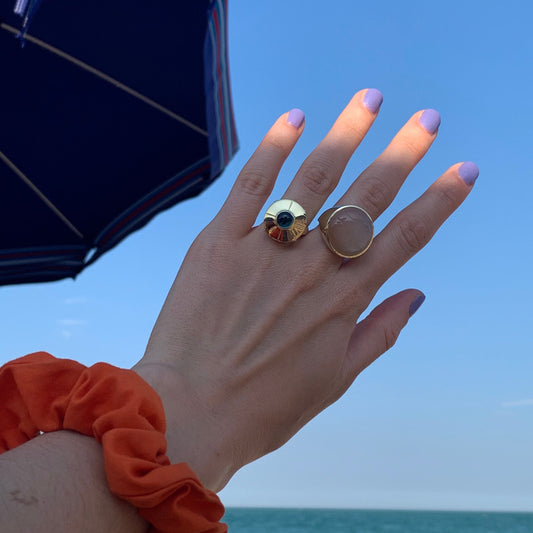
[{"x": 285, "y": 221}]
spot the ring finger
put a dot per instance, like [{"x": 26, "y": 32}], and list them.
[{"x": 377, "y": 185}]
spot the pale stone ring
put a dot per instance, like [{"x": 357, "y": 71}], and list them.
[
  {"x": 285, "y": 221},
  {"x": 348, "y": 230}
]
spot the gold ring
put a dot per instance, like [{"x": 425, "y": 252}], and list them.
[
  {"x": 285, "y": 221},
  {"x": 348, "y": 230}
]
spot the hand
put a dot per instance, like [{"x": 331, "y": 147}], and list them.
[{"x": 256, "y": 338}]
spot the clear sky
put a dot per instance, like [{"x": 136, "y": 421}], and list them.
[{"x": 445, "y": 419}]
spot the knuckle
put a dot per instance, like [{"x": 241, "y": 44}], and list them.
[
  {"x": 375, "y": 195},
  {"x": 354, "y": 131},
  {"x": 413, "y": 147},
  {"x": 278, "y": 146},
  {"x": 339, "y": 308},
  {"x": 208, "y": 248},
  {"x": 447, "y": 197},
  {"x": 304, "y": 284},
  {"x": 317, "y": 177},
  {"x": 348, "y": 302},
  {"x": 254, "y": 181},
  {"x": 390, "y": 336},
  {"x": 413, "y": 235}
]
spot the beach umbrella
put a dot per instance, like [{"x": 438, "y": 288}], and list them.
[{"x": 110, "y": 112}]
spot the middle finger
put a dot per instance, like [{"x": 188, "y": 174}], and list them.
[{"x": 320, "y": 172}]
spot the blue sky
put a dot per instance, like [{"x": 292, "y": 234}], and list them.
[{"x": 445, "y": 419}]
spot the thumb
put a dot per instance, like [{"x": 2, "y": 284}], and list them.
[{"x": 379, "y": 331}]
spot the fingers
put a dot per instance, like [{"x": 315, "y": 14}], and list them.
[
  {"x": 319, "y": 174},
  {"x": 379, "y": 331},
  {"x": 256, "y": 180},
  {"x": 414, "y": 227},
  {"x": 377, "y": 186}
]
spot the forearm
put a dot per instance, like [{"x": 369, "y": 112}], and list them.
[{"x": 56, "y": 483}]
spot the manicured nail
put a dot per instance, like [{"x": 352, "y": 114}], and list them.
[
  {"x": 430, "y": 120},
  {"x": 469, "y": 172},
  {"x": 296, "y": 117},
  {"x": 416, "y": 303},
  {"x": 373, "y": 100}
]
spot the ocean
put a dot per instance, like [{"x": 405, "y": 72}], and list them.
[{"x": 248, "y": 520}]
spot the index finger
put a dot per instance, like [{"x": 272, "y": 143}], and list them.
[{"x": 256, "y": 180}]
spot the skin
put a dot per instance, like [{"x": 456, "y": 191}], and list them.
[
  {"x": 56, "y": 483},
  {"x": 255, "y": 338}
]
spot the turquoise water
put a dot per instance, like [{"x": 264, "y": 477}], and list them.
[{"x": 356, "y": 521}]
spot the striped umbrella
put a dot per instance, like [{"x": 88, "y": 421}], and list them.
[{"x": 110, "y": 112}]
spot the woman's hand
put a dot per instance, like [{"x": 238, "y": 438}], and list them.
[{"x": 256, "y": 338}]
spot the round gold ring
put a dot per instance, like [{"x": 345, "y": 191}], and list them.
[
  {"x": 285, "y": 221},
  {"x": 348, "y": 230}
]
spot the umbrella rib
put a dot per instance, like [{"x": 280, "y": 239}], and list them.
[
  {"x": 109, "y": 79},
  {"x": 36, "y": 190}
]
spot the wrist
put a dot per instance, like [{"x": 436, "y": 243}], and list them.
[{"x": 193, "y": 436}]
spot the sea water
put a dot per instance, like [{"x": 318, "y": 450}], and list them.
[{"x": 246, "y": 520}]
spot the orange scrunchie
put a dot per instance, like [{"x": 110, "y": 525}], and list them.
[{"x": 118, "y": 408}]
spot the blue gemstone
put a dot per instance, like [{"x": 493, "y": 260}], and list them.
[{"x": 285, "y": 220}]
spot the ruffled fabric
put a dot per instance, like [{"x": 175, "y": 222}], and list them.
[{"x": 39, "y": 392}]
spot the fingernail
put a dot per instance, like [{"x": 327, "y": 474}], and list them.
[
  {"x": 373, "y": 100},
  {"x": 296, "y": 117},
  {"x": 416, "y": 303},
  {"x": 469, "y": 172},
  {"x": 430, "y": 120}
]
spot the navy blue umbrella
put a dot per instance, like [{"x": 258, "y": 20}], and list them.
[{"x": 110, "y": 112}]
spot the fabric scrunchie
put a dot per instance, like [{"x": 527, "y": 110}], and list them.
[{"x": 39, "y": 392}]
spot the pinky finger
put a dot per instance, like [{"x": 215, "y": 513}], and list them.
[{"x": 379, "y": 331}]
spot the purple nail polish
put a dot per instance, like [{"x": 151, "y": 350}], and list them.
[
  {"x": 416, "y": 303},
  {"x": 469, "y": 172},
  {"x": 296, "y": 117},
  {"x": 372, "y": 100},
  {"x": 430, "y": 120}
]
